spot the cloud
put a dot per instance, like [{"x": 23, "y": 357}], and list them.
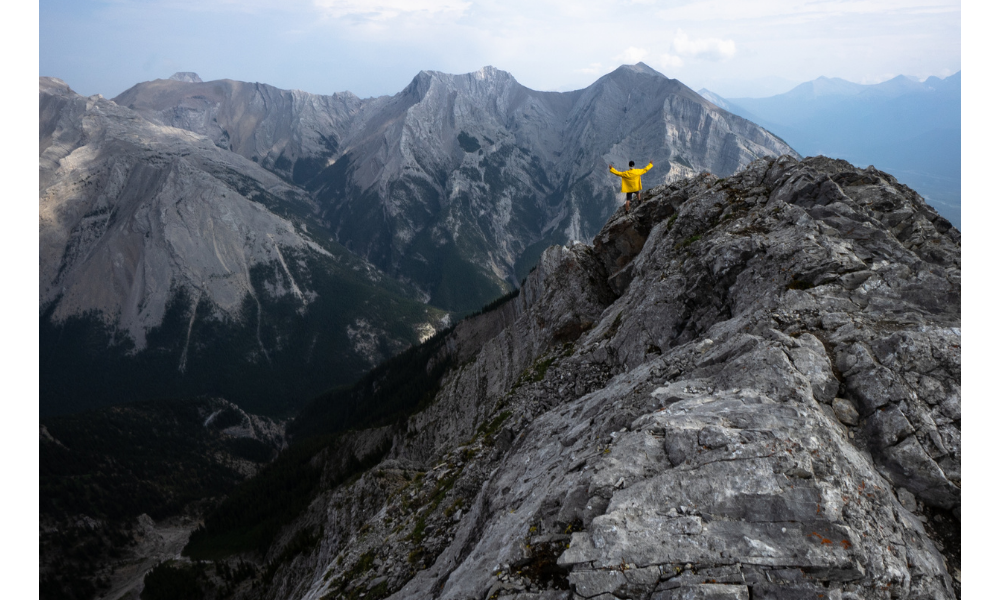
[
  {"x": 668, "y": 61},
  {"x": 801, "y": 11},
  {"x": 632, "y": 55},
  {"x": 374, "y": 47},
  {"x": 705, "y": 48},
  {"x": 210, "y": 6},
  {"x": 592, "y": 69},
  {"x": 380, "y": 10},
  {"x": 683, "y": 46}
]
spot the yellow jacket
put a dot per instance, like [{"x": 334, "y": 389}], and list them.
[{"x": 631, "y": 179}]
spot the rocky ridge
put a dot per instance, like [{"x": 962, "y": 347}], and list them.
[{"x": 747, "y": 387}]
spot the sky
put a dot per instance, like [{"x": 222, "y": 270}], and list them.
[{"x": 736, "y": 48}]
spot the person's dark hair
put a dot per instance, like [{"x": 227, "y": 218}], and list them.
[{"x": 631, "y": 163}]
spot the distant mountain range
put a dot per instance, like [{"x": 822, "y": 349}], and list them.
[
  {"x": 911, "y": 129},
  {"x": 264, "y": 245},
  {"x": 458, "y": 182}
]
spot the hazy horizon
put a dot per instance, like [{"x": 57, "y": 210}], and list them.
[
  {"x": 736, "y": 49},
  {"x": 769, "y": 87}
]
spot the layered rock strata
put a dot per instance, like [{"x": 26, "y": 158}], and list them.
[{"x": 745, "y": 388}]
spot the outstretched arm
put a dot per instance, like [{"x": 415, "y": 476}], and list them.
[
  {"x": 615, "y": 171},
  {"x": 648, "y": 167}
]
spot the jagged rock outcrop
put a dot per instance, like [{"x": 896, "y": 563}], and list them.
[
  {"x": 459, "y": 181},
  {"x": 746, "y": 388},
  {"x": 138, "y": 222}
]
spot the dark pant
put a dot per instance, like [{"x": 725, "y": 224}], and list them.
[{"x": 628, "y": 196}]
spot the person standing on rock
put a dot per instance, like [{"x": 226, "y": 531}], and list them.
[{"x": 631, "y": 181}]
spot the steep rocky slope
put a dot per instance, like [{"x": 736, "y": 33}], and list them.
[
  {"x": 157, "y": 240},
  {"x": 748, "y": 387},
  {"x": 459, "y": 182}
]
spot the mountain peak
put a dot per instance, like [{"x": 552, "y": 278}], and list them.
[
  {"x": 186, "y": 76},
  {"x": 53, "y": 85},
  {"x": 631, "y": 75},
  {"x": 899, "y": 84},
  {"x": 825, "y": 86},
  {"x": 486, "y": 78},
  {"x": 490, "y": 72},
  {"x": 641, "y": 68},
  {"x": 487, "y": 73}
]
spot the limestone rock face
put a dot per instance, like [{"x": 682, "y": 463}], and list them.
[
  {"x": 746, "y": 388},
  {"x": 129, "y": 211},
  {"x": 464, "y": 177},
  {"x": 135, "y": 217}
]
